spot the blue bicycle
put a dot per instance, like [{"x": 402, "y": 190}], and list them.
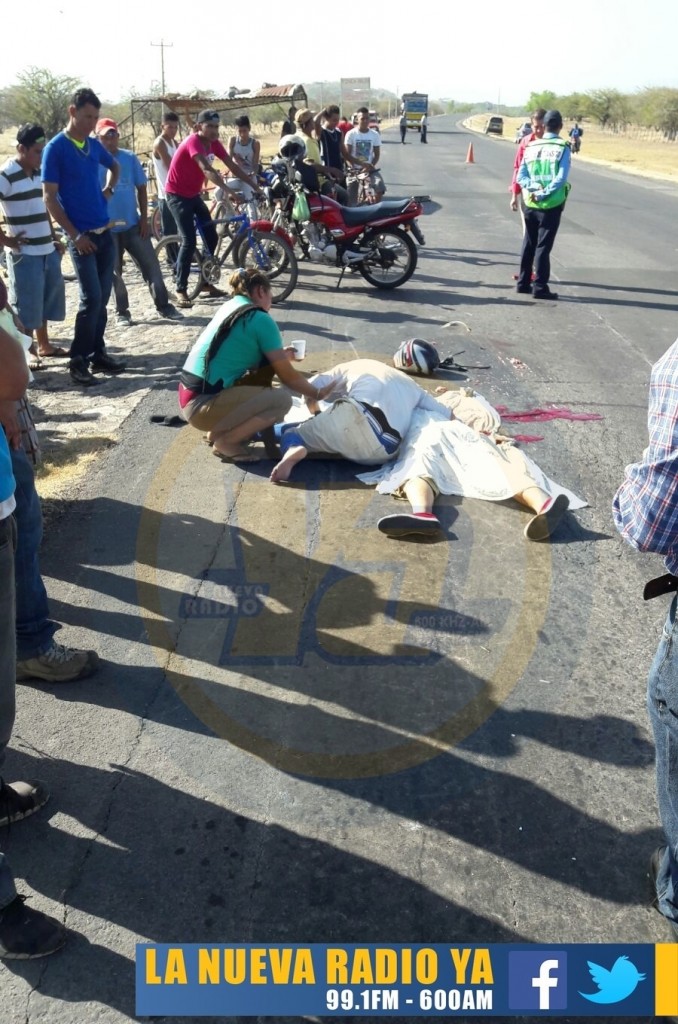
[{"x": 265, "y": 250}]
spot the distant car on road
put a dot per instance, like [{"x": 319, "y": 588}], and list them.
[
  {"x": 494, "y": 126},
  {"x": 525, "y": 129}
]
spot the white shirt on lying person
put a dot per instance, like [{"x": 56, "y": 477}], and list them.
[{"x": 374, "y": 383}]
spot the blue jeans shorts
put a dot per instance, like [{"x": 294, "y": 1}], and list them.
[{"x": 36, "y": 287}]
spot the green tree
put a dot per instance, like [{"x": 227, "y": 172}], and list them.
[
  {"x": 609, "y": 107},
  {"x": 546, "y": 99},
  {"x": 41, "y": 97},
  {"x": 573, "y": 106}
]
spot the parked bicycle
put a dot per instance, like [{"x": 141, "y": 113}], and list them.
[{"x": 248, "y": 246}]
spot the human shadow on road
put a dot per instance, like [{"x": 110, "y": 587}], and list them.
[
  {"x": 167, "y": 864},
  {"x": 482, "y": 801}
]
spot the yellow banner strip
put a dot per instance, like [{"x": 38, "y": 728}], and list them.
[{"x": 666, "y": 980}]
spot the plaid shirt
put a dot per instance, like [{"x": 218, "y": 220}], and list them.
[{"x": 645, "y": 507}]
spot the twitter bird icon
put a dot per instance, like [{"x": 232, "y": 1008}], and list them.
[{"x": 615, "y": 984}]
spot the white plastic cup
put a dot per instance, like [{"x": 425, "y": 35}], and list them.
[{"x": 299, "y": 348}]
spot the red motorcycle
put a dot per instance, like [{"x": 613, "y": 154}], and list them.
[{"x": 374, "y": 241}]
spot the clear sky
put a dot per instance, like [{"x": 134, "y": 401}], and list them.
[{"x": 464, "y": 51}]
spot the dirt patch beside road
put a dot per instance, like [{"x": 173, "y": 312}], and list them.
[{"x": 637, "y": 151}]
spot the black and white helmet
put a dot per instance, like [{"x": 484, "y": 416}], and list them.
[
  {"x": 292, "y": 147},
  {"x": 417, "y": 356}
]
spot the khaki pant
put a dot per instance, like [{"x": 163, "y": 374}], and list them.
[
  {"x": 234, "y": 406},
  {"x": 343, "y": 430}
]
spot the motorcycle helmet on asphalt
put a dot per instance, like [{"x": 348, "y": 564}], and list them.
[
  {"x": 417, "y": 356},
  {"x": 292, "y": 147}
]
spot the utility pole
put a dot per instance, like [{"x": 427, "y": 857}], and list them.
[{"x": 163, "y": 45}]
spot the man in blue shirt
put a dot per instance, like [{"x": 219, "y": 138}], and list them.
[
  {"x": 24, "y": 933},
  {"x": 76, "y": 201},
  {"x": 131, "y": 231}
]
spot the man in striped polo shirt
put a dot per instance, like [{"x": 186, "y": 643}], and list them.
[{"x": 33, "y": 254}]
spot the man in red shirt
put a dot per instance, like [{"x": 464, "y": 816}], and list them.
[{"x": 191, "y": 164}]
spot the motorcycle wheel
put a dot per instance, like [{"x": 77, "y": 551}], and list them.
[
  {"x": 391, "y": 258},
  {"x": 270, "y": 253}
]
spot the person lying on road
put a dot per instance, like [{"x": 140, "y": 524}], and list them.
[{"x": 369, "y": 416}]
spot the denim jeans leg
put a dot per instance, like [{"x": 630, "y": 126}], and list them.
[
  {"x": 34, "y": 628},
  {"x": 105, "y": 257},
  {"x": 119, "y": 287},
  {"x": 7, "y": 671},
  {"x": 169, "y": 225},
  {"x": 84, "y": 335},
  {"x": 662, "y": 702},
  {"x": 142, "y": 252},
  {"x": 7, "y": 634},
  {"x": 207, "y": 226},
  {"x": 182, "y": 211}
]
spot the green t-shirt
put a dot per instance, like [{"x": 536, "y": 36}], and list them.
[{"x": 246, "y": 345}]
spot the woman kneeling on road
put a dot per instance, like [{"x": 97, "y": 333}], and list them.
[{"x": 226, "y": 384}]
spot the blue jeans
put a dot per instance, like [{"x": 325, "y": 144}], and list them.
[
  {"x": 34, "y": 628},
  {"x": 7, "y": 670},
  {"x": 185, "y": 211},
  {"x": 167, "y": 221},
  {"x": 662, "y": 702},
  {"x": 142, "y": 252},
  {"x": 95, "y": 277}
]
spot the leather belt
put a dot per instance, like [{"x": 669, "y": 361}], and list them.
[{"x": 666, "y": 584}]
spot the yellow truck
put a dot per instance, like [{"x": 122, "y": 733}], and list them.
[{"x": 414, "y": 105}]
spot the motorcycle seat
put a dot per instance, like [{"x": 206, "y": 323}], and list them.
[{"x": 354, "y": 215}]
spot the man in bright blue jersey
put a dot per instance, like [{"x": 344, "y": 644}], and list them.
[
  {"x": 76, "y": 201},
  {"x": 128, "y": 211}
]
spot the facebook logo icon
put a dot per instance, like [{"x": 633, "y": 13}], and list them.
[{"x": 537, "y": 980}]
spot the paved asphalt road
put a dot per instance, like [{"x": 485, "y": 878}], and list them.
[{"x": 306, "y": 732}]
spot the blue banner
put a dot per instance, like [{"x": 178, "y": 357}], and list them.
[{"x": 406, "y": 980}]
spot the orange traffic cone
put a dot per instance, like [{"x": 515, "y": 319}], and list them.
[{"x": 469, "y": 155}]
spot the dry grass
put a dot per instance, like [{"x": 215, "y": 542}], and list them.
[
  {"x": 65, "y": 466},
  {"x": 635, "y": 150}
]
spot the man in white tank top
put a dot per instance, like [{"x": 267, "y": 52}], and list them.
[
  {"x": 245, "y": 150},
  {"x": 164, "y": 149}
]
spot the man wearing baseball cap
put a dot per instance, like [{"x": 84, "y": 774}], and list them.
[
  {"x": 33, "y": 253},
  {"x": 185, "y": 180},
  {"x": 543, "y": 178},
  {"x": 128, "y": 213}
]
